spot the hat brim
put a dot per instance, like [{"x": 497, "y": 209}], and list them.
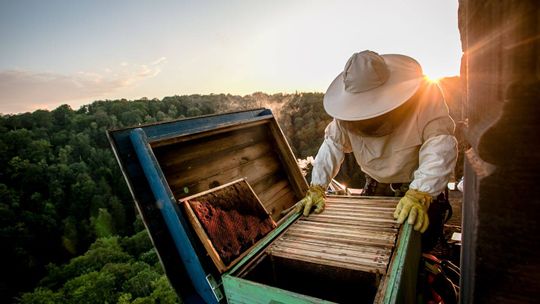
[{"x": 405, "y": 78}]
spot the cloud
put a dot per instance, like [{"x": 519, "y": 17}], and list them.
[
  {"x": 25, "y": 90},
  {"x": 159, "y": 61}
]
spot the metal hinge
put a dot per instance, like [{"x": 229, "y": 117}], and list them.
[{"x": 216, "y": 288}]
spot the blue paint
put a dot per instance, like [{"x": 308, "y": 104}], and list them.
[
  {"x": 165, "y": 200},
  {"x": 202, "y": 123}
]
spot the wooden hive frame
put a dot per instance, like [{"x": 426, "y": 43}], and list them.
[
  {"x": 346, "y": 235},
  {"x": 249, "y": 200}
]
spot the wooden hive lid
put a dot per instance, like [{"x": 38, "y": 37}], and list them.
[{"x": 254, "y": 150}]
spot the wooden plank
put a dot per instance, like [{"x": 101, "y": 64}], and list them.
[
  {"x": 378, "y": 225},
  {"x": 385, "y": 206},
  {"x": 274, "y": 190},
  {"x": 315, "y": 233},
  {"x": 344, "y": 231},
  {"x": 360, "y": 211},
  {"x": 360, "y": 206},
  {"x": 263, "y": 165},
  {"x": 335, "y": 243},
  {"x": 198, "y": 134},
  {"x": 346, "y": 256},
  {"x": 345, "y": 239},
  {"x": 279, "y": 198},
  {"x": 251, "y": 170},
  {"x": 370, "y": 264},
  {"x": 355, "y": 217},
  {"x": 333, "y": 262},
  {"x": 366, "y": 199},
  {"x": 337, "y": 251},
  {"x": 179, "y": 154},
  {"x": 199, "y": 168},
  {"x": 280, "y": 202},
  {"x": 389, "y": 210},
  {"x": 371, "y": 209},
  {"x": 298, "y": 181},
  {"x": 362, "y": 216},
  {"x": 361, "y": 200},
  {"x": 350, "y": 225},
  {"x": 278, "y": 195},
  {"x": 346, "y": 227},
  {"x": 264, "y": 182},
  {"x": 183, "y": 157},
  {"x": 331, "y": 206}
]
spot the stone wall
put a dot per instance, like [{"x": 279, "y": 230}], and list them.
[{"x": 501, "y": 217}]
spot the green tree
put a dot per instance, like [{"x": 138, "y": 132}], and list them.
[
  {"x": 163, "y": 292},
  {"x": 141, "y": 284},
  {"x": 42, "y": 296},
  {"x": 93, "y": 287},
  {"x": 103, "y": 224},
  {"x": 193, "y": 111}
]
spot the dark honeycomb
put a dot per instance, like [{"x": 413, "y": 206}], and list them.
[{"x": 233, "y": 219}]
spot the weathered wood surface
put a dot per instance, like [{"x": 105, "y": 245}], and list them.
[
  {"x": 351, "y": 233},
  {"x": 199, "y": 162}
]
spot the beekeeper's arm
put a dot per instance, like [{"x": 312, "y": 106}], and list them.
[
  {"x": 437, "y": 159},
  {"x": 325, "y": 167}
]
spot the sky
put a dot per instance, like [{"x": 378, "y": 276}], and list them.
[{"x": 75, "y": 52}]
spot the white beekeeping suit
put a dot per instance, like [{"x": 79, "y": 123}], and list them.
[
  {"x": 420, "y": 149},
  {"x": 396, "y": 124}
]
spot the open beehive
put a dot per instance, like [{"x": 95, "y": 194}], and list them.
[
  {"x": 353, "y": 249},
  {"x": 341, "y": 255}
]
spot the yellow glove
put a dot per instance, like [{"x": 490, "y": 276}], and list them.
[
  {"x": 315, "y": 197},
  {"x": 414, "y": 205}
]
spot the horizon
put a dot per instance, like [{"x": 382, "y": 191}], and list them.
[{"x": 61, "y": 52}]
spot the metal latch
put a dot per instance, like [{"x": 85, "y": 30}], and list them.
[{"x": 216, "y": 288}]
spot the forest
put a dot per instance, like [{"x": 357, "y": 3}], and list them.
[{"x": 68, "y": 226}]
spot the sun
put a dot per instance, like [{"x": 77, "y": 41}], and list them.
[{"x": 432, "y": 79}]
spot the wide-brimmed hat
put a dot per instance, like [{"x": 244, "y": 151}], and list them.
[{"x": 371, "y": 85}]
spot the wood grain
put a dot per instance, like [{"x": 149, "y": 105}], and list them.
[
  {"x": 200, "y": 162},
  {"x": 357, "y": 234}
]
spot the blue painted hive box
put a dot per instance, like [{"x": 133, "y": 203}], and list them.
[{"x": 352, "y": 252}]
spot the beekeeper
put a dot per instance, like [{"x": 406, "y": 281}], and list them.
[{"x": 398, "y": 127}]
